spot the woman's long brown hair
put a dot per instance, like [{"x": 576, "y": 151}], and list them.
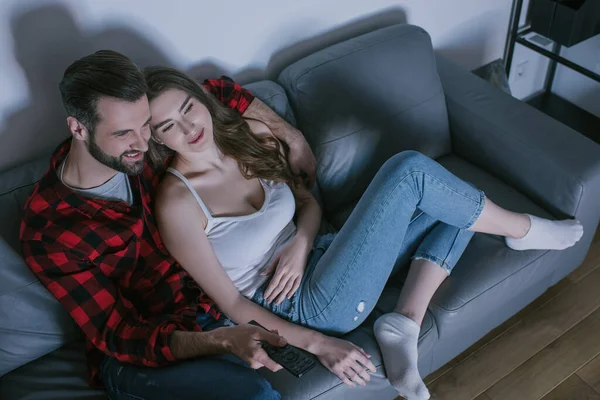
[{"x": 257, "y": 156}]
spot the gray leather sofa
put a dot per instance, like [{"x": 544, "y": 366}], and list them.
[{"x": 358, "y": 102}]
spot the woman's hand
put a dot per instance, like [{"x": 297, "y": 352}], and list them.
[
  {"x": 287, "y": 269},
  {"x": 346, "y": 360}
]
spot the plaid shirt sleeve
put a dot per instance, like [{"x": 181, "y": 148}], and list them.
[
  {"x": 95, "y": 303},
  {"x": 230, "y": 93}
]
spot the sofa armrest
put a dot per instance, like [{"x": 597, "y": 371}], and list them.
[{"x": 549, "y": 162}]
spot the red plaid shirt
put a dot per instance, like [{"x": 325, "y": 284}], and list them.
[{"x": 106, "y": 264}]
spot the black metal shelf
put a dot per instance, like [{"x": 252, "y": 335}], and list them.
[
  {"x": 522, "y": 40},
  {"x": 546, "y": 101}
]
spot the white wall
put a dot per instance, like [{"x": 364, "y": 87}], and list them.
[
  {"x": 576, "y": 88},
  {"x": 570, "y": 85},
  {"x": 248, "y": 40}
]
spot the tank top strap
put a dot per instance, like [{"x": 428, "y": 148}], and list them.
[{"x": 194, "y": 193}]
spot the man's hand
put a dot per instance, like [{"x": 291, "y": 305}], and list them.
[
  {"x": 244, "y": 342},
  {"x": 301, "y": 158}
]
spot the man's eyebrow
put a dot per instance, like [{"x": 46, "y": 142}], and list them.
[
  {"x": 184, "y": 103},
  {"x": 124, "y": 131},
  {"x": 121, "y": 132}
]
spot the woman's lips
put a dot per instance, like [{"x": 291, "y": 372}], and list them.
[{"x": 198, "y": 137}]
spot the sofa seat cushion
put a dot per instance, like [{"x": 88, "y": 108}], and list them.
[
  {"x": 60, "y": 375},
  {"x": 489, "y": 273}
]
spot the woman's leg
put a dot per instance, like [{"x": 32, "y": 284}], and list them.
[
  {"x": 528, "y": 232},
  {"x": 351, "y": 274},
  {"x": 397, "y": 333},
  {"x": 345, "y": 284}
]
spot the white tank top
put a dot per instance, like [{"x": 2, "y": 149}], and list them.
[{"x": 246, "y": 244}]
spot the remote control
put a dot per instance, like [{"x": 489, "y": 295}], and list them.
[{"x": 294, "y": 360}]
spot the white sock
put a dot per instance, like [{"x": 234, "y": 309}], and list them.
[
  {"x": 397, "y": 336},
  {"x": 545, "y": 234}
]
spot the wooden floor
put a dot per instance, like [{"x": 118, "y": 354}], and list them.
[{"x": 549, "y": 351}]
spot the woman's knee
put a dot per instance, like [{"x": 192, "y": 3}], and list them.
[{"x": 407, "y": 161}]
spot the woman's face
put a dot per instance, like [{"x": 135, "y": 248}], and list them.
[{"x": 181, "y": 122}]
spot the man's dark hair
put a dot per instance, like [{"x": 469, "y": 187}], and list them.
[{"x": 103, "y": 73}]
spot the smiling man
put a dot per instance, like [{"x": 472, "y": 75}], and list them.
[{"x": 90, "y": 236}]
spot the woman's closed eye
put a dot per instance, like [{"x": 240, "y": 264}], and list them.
[
  {"x": 167, "y": 128},
  {"x": 188, "y": 108}
]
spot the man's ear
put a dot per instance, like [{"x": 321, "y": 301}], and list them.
[{"x": 78, "y": 130}]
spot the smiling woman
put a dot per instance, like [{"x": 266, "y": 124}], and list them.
[{"x": 186, "y": 120}]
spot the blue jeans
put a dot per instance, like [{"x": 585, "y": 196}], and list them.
[
  {"x": 413, "y": 202},
  {"x": 222, "y": 377}
]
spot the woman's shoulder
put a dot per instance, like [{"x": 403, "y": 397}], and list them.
[{"x": 171, "y": 191}]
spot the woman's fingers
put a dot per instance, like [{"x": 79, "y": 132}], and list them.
[
  {"x": 345, "y": 379},
  {"x": 295, "y": 287},
  {"x": 275, "y": 281},
  {"x": 362, "y": 372},
  {"x": 286, "y": 289},
  {"x": 364, "y": 353},
  {"x": 278, "y": 282},
  {"x": 354, "y": 376}
]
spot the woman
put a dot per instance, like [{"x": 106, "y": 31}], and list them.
[{"x": 226, "y": 212}]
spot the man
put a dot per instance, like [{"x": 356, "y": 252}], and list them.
[{"x": 89, "y": 235}]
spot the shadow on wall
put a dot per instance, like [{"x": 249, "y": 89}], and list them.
[
  {"x": 467, "y": 43},
  {"x": 284, "y": 57},
  {"x": 48, "y": 39}
]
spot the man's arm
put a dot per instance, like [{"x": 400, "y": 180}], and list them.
[
  {"x": 95, "y": 303},
  {"x": 301, "y": 158},
  {"x": 229, "y": 93}
]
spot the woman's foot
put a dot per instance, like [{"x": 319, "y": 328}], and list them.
[
  {"x": 397, "y": 336},
  {"x": 545, "y": 234}
]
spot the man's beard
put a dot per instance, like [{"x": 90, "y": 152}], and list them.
[{"x": 115, "y": 163}]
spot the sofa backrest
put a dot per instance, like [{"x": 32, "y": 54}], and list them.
[
  {"x": 32, "y": 322},
  {"x": 363, "y": 100}
]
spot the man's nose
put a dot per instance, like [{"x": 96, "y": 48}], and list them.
[{"x": 141, "y": 142}]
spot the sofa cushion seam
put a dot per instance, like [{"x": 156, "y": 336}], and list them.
[{"x": 491, "y": 287}]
